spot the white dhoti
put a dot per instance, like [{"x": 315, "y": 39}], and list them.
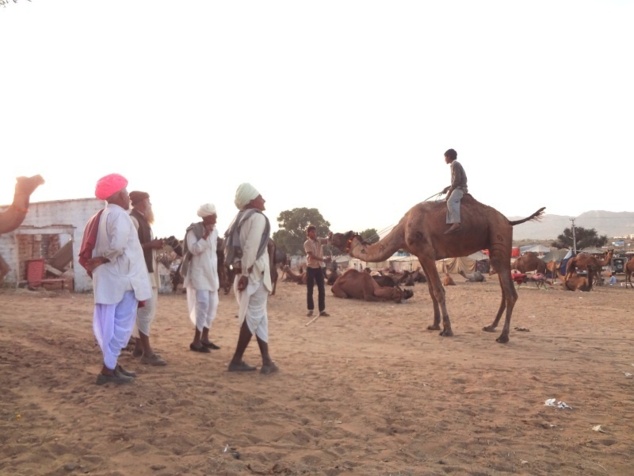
[
  {"x": 453, "y": 206},
  {"x": 252, "y": 308},
  {"x": 112, "y": 325},
  {"x": 203, "y": 306},
  {"x": 145, "y": 315}
]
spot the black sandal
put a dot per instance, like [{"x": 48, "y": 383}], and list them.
[{"x": 202, "y": 348}]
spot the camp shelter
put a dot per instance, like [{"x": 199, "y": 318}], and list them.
[
  {"x": 404, "y": 263},
  {"x": 539, "y": 249},
  {"x": 477, "y": 261},
  {"x": 555, "y": 255}
]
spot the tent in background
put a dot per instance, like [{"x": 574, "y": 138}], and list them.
[
  {"x": 539, "y": 249},
  {"x": 468, "y": 264}
]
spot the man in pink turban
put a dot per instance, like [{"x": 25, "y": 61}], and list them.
[{"x": 120, "y": 278}]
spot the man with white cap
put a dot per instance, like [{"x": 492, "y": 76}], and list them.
[
  {"x": 200, "y": 269},
  {"x": 252, "y": 284},
  {"x": 120, "y": 278}
]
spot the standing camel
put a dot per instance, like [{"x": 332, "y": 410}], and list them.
[
  {"x": 529, "y": 261},
  {"x": 629, "y": 269},
  {"x": 12, "y": 217},
  {"x": 587, "y": 262},
  {"x": 421, "y": 232}
]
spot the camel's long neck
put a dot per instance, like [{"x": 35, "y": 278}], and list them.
[
  {"x": 13, "y": 216},
  {"x": 379, "y": 251}
]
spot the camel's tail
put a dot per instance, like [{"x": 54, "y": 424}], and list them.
[{"x": 535, "y": 216}]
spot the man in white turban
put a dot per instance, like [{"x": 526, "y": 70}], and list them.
[
  {"x": 244, "y": 194},
  {"x": 200, "y": 268},
  {"x": 252, "y": 283}
]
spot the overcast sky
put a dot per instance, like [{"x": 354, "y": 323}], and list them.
[{"x": 343, "y": 106}]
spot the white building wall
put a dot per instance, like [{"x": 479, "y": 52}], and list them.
[{"x": 64, "y": 217}]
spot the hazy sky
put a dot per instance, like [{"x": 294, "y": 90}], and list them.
[{"x": 343, "y": 106}]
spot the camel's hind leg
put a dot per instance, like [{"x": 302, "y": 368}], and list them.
[
  {"x": 437, "y": 293},
  {"x": 509, "y": 297}
]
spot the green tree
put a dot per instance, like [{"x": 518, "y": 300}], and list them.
[
  {"x": 585, "y": 238},
  {"x": 292, "y": 233}
]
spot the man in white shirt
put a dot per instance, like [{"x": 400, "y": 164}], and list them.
[
  {"x": 252, "y": 285},
  {"x": 120, "y": 278},
  {"x": 142, "y": 217},
  {"x": 200, "y": 268}
]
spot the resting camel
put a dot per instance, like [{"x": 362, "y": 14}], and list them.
[
  {"x": 629, "y": 269},
  {"x": 421, "y": 232},
  {"x": 447, "y": 280},
  {"x": 12, "y": 217},
  {"x": 296, "y": 278},
  {"x": 475, "y": 277},
  {"x": 577, "y": 282},
  {"x": 360, "y": 285}
]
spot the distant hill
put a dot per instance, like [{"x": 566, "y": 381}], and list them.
[{"x": 612, "y": 224}]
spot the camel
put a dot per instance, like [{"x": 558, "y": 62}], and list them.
[
  {"x": 529, "y": 261},
  {"x": 475, "y": 277},
  {"x": 12, "y": 217},
  {"x": 360, "y": 285},
  {"x": 577, "y": 282},
  {"x": 447, "y": 280},
  {"x": 629, "y": 269},
  {"x": 421, "y": 233},
  {"x": 587, "y": 262},
  {"x": 295, "y": 278}
]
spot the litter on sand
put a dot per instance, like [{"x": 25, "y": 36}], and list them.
[{"x": 553, "y": 402}]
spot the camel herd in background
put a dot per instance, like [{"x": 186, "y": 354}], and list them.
[{"x": 582, "y": 273}]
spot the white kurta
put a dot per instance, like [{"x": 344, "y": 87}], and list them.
[
  {"x": 201, "y": 281},
  {"x": 147, "y": 313},
  {"x": 117, "y": 240},
  {"x": 203, "y": 267},
  {"x": 252, "y": 301}
]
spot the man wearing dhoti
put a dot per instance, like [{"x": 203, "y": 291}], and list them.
[
  {"x": 252, "y": 283},
  {"x": 143, "y": 216},
  {"x": 120, "y": 278},
  {"x": 200, "y": 268}
]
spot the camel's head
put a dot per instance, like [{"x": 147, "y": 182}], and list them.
[
  {"x": 27, "y": 185},
  {"x": 342, "y": 240},
  {"x": 400, "y": 294}
]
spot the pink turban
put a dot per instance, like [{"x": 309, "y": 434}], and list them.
[{"x": 109, "y": 185}]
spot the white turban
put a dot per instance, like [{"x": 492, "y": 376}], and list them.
[
  {"x": 245, "y": 193},
  {"x": 206, "y": 210}
]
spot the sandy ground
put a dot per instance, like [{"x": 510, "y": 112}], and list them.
[{"x": 367, "y": 391}]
